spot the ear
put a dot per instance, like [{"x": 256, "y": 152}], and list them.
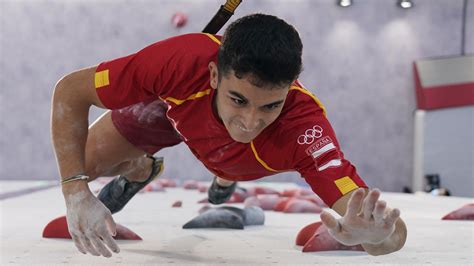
[{"x": 214, "y": 74}]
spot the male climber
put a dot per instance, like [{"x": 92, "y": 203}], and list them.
[{"x": 236, "y": 103}]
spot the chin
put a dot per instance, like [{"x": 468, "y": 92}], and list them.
[{"x": 241, "y": 139}]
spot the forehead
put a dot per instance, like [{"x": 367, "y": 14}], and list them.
[{"x": 230, "y": 84}]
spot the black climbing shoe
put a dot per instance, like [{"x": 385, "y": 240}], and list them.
[
  {"x": 217, "y": 194},
  {"x": 119, "y": 191}
]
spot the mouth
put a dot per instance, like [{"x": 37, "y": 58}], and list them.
[{"x": 245, "y": 130}]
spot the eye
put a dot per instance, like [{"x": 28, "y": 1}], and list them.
[
  {"x": 271, "y": 107},
  {"x": 238, "y": 101}
]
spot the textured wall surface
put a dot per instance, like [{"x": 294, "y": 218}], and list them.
[
  {"x": 358, "y": 61},
  {"x": 449, "y": 148}
]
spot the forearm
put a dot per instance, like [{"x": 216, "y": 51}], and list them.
[
  {"x": 393, "y": 243},
  {"x": 69, "y": 129}
]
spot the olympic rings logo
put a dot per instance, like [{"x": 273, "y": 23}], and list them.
[{"x": 310, "y": 135}]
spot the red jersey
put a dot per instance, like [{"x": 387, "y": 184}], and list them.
[{"x": 175, "y": 70}]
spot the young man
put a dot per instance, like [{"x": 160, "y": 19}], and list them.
[{"x": 235, "y": 102}]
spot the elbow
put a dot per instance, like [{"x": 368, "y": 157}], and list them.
[
  {"x": 68, "y": 93},
  {"x": 58, "y": 100},
  {"x": 77, "y": 90},
  {"x": 61, "y": 101},
  {"x": 62, "y": 86},
  {"x": 67, "y": 100},
  {"x": 59, "y": 90}
]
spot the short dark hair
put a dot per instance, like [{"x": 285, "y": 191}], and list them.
[{"x": 262, "y": 46}]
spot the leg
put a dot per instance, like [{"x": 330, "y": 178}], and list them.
[
  {"x": 108, "y": 153},
  {"x": 224, "y": 182},
  {"x": 117, "y": 143}
]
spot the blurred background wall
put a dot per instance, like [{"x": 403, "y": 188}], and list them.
[{"x": 357, "y": 60}]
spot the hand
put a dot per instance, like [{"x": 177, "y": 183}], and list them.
[
  {"x": 90, "y": 224},
  {"x": 372, "y": 225}
]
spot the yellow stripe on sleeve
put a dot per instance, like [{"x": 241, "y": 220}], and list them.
[
  {"x": 345, "y": 185},
  {"x": 191, "y": 97},
  {"x": 318, "y": 102},
  {"x": 101, "y": 78}
]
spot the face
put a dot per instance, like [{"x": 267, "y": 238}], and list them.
[{"x": 245, "y": 109}]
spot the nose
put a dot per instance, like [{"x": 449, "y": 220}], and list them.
[{"x": 250, "y": 119}]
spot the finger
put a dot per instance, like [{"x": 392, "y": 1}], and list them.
[
  {"x": 329, "y": 221},
  {"x": 392, "y": 217},
  {"x": 110, "y": 242},
  {"x": 78, "y": 243},
  {"x": 100, "y": 246},
  {"x": 88, "y": 246},
  {"x": 379, "y": 211},
  {"x": 369, "y": 203},
  {"x": 355, "y": 201},
  {"x": 111, "y": 226}
]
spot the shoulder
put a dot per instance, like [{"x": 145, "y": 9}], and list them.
[
  {"x": 301, "y": 103},
  {"x": 187, "y": 49},
  {"x": 300, "y": 128},
  {"x": 301, "y": 109},
  {"x": 191, "y": 43}
]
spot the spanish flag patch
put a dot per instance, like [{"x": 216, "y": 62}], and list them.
[
  {"x": 102, "y": 78},
  {"x": 345, "y": 185}
]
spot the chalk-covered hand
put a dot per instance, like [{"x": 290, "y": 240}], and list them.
[
  {"x": 372, "y": 224},
  {"x": 90, "y": 224}
]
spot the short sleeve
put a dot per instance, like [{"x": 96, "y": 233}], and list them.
[
  {"x": 321, "y": 162},
  {"x": 315, "y": 151},
  {"x": 149, "y": 73}
]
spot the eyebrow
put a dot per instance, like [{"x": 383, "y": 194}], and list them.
[{"x": 238, "y": 95}]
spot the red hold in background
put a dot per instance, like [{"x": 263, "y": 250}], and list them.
[
  {"x": 177, "y": 204},
  {"x": 179, "y": 19},
  {"x": 57, "y": 228},
  {"x": 466, "y": 212},
  {"x": 315, "y": 237},
  {"x": 190, "y": 184}
]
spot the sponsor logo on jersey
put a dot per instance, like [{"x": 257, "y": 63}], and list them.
[
  {"x": 324, "y": 153},
  {"x": 320, "y": 147},
  {"x": 310, "y": 135},
  {"x": 331, "y": 163}
]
